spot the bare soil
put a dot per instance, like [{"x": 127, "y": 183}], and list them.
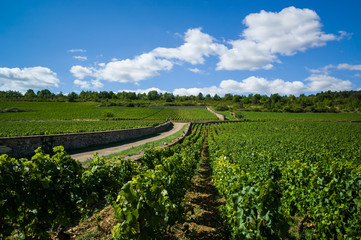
[
  {"x": 98, "y": 226},
  {"x": 204, "y": 220}
]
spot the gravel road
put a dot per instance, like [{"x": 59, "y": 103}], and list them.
[{"x": 106, "y": 151}]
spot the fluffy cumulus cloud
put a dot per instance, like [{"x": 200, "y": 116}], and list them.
[
  {"x": 246, "y": 55},
  {"x": 324, "y": 82},
  {"x": 263, "y": 86},
  {"x": 81, "y": 72},
  {"x": 133, "y": 70},
  {"x": 22, "y": 79},
  {"x": 197, "y": 46},
  {"x": 314, "y": 83},
  {"x": 92, "y": 84},
  {"x": 268, "y": 34},
  {"x": 248, "y": 85},
  {"x": 286, "y": 32},
  {"x": 129, "y": 70}
]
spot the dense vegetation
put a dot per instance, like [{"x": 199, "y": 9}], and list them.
[
  {"x": 278, "y": 179},
  {"x": 51, "y": 192},
  {"x": 90, "y": 110},
  {"x": 42, "y": 118},
  {"x": 47, "y": 192},
  {"x": 344, "y": 101},
  {"x": 286, "y": 175},
  {"x": 279, "y": 176},
  {"x": 31, "y": 128}
]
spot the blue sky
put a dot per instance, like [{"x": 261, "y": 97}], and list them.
[{"x": 183, "y": 47}]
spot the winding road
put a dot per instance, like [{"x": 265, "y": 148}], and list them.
[{"x": 106, "y": 151}]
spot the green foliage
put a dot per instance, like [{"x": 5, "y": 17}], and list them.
[
  {"x": 49, "y": 191},
  {"x": 238, "y": 115},
  {"x": 222, "y": 108},
  {"x": 26, "y": 128},
  {"x": 152, "y": 200},
  {"x": 273, "y": 174},
  {"x": 275, "y": 116},
  {"x": 107, "y": 114},
  {"x": 89, "y": 111},
  {"x": 39, "y": 193},
  {"x": 102, "y": 179}
]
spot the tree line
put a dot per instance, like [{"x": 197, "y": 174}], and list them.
[{"x": 329, "y": 101}]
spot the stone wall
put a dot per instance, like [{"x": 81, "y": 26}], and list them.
[{"x": 25, "y": 146}]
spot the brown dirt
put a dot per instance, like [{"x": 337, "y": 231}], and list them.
[
  {"x": 98, "y": 226},
  {"x": 203, "y": 221}
]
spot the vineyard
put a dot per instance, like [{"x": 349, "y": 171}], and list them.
[
  {"x": 88, "y": 110},
  {"x": 44, "y": 118},
  {"x": 26, "y": 128},
  {"x": 276, "y": 180},
  {"x": 277, "y": 116},
  {"x": 279, "y": 177}
]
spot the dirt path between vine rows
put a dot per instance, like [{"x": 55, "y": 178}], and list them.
[
  {"x": 204, "y": 221},
  {"x": 106, "y": 151}
]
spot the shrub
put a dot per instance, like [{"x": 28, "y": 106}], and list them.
[
  {"x": 107, "y": 114},
  {"x": 238, "y": 115},
  {"x": 222, "y": 108}
]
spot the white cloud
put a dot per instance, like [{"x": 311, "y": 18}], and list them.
[
  {"x": 195, "y": 91},
  {"x": 144, "y": 90},
  {"x": 342, "y": 66},
  {"x": 346, "y": 66},
  {"x": 324, "y": 82},
  {"x": 286, "y": 32},
  {"x": 271, "y": 33},
  {"x": 133, "y": 70},
  {"x": 129, "y": 70},
  {"x": 80, "y": 58},
  {"x": 197, "y": 46},
  {"x": 76, "y": 50},
  {"x": 27, "y": 78},
  {"x": 195, "y": 70},
  {"x": 246, "y": 55},
  {"x": 93, "y": 84},
  {"x": 263, "y": 86},
  {"x": 267, "y": 35},
  {"x": 259, "y": 85},
  {"x": 81, "y": 72}
]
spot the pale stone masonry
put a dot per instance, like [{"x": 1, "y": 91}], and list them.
[{"x": 25, "y": 146}]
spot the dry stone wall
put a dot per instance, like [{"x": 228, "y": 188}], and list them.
[{"x": 25, "y": 146}]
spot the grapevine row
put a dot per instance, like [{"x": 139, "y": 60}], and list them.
[
  {"x": 277, "y": 175},
  {"x": 49, "y": 192},
  {"x": 152, "y": 201}
]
